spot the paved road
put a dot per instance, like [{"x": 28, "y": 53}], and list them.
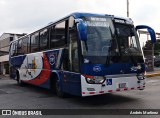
[{"x": 13, "y": 96}]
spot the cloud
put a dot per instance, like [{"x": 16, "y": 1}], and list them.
[
  {"x": 2, "y": 2},
  {"x": 146, "y": 12},
  {"x": 26, "y": 16}
]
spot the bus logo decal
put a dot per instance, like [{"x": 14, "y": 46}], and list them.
[
  {"x": 52, "y": 59},
  {"x": 97, "y": 69},
  {"x": 136, "y": 68}
]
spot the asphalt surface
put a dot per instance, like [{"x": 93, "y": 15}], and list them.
[{"x": 13, "y": 96}]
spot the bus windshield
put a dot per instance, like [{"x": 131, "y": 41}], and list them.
[
  {"x": 99, "y": 36},
  {"x": 128, "y": 43},
  {"x": 128, "y": 40}
]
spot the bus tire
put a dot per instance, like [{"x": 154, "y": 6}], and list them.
[
  {"x": 19, "y": 81},
  {"x": 58, "y": 89},
  {"x": 141, "y": 89},
  {"x": 55, "y": 86}
]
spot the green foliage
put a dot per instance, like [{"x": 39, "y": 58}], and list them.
[{"x": 148, "y": 46}]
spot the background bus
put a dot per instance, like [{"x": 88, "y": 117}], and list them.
[{"x": 82, "y": 54}]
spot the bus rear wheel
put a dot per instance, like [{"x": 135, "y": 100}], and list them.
[{"x": 19, "y": 81}]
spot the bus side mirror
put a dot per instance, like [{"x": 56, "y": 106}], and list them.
[
  {"x": 82, "y": 31},
  {"x": 150, "y": 30}
]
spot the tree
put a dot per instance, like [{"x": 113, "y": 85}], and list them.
[
  {"x": 157, "y": 48},
  {"x": 148, "y": 47}
]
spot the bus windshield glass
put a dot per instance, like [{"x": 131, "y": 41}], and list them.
[
  {"x": 99, "y": 36},
  {"x": 128, "y": 40}
]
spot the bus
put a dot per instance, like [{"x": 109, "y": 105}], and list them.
[{"x": 82, "y": 54}]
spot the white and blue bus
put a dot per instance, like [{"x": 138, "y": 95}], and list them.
[{"x": 82, "y": 54}]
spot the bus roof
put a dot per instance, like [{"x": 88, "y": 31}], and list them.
[{"x": 77, "y": 15}]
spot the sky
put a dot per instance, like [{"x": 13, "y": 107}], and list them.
[{"x": 26, "y": 16}]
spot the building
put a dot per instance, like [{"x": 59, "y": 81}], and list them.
[{"x": 5, "y": 40}]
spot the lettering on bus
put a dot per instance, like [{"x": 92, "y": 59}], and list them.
[
  {"x": 130, "y": 22},
  {"x": 97, "y": 23},
  {"x": 98, "y": 19}
]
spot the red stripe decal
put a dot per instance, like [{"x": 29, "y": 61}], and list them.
[
  {"x": 110, "y": 91},
  {"x": 132, "y": 88},
  {"x": 125, "y": 89},
  {"x": 91, "y": 92},
  {"x": 83, "y": 93},
  {"x": 101, "y": 92},
  {"x": 118, "y": 89}
]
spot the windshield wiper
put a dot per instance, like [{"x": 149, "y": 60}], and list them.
[
  {"x": 107, "y": 61},
  {"x": 86, "y": 46}
]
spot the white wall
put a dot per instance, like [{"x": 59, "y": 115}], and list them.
[{"x": 4, "y": 58}]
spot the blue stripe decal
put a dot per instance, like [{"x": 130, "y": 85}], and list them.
[{"x": 102, "y": 69}]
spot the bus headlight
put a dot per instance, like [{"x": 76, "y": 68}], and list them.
[
  {"x": 140, "y": 77},
  {"x": 90, "y": 80},
  {"x": 94, "y": 79}
]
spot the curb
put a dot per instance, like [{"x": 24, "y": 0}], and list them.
[{"x": 152, "y": 75}]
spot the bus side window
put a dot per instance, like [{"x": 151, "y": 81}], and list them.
[
  {"x": 35, "y": 42},
  {"x": 14, "y": 49},
  {"x": 44, "y": 43},
  {"x": 11, "y": 49},
  {"x": 58, "y": 35},
  {"x": 29, "y": 44},
  {"x": 52, "y": 37},
  {"x": 19, "y": 47},
  {"x": 25, "y": 45}
]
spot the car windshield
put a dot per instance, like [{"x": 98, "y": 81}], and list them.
[{"x": 99, "y": 36}]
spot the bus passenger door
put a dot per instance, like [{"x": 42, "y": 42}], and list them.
[{"x": 71, "y": 79}]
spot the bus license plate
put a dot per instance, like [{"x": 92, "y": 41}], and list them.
[{"x": 122, "y": 85}]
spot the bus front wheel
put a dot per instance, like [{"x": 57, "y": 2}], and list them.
[
  {"x": 58, "y": 89},
  {"x": 55, "y": 86}
]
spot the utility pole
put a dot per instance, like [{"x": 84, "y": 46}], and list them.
[
  {"x": 127, "y": 8},
  {"x": 153, "y": 56}
]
